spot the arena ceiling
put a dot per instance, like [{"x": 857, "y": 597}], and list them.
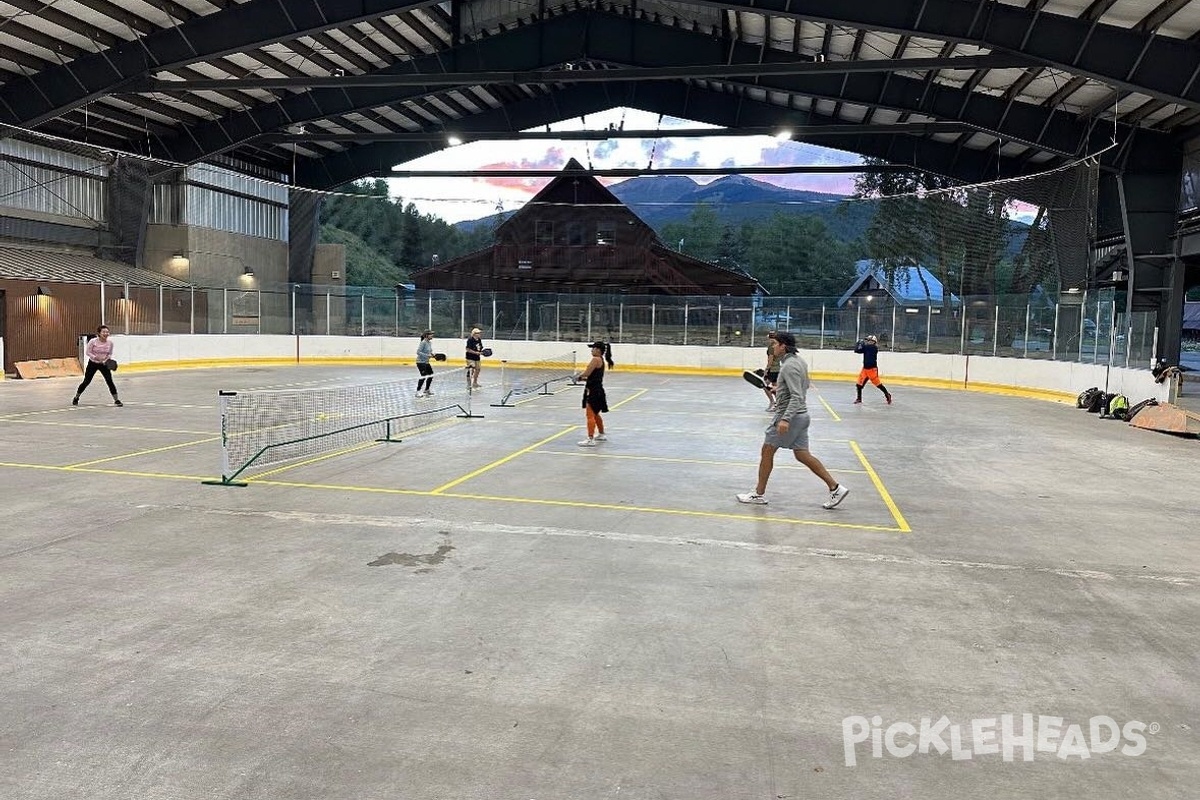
[{"x": 326, "y": 91}]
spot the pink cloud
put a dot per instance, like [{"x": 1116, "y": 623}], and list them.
[{"x": 553, "y": 158}]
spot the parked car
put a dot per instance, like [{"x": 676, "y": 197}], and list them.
[{"x": 775, "y": 319}]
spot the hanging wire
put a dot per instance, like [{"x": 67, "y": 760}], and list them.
[{"x": 654, "y": 147}]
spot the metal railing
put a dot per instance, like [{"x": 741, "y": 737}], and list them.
[{"x": 1081, "y": 328}]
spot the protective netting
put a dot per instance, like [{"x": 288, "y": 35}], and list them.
[{"x": 536, "y": 377}]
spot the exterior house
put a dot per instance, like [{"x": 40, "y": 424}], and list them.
[
  {"x": 1191, "y": 320},
  {"x": 575, "y": 236},
  {"x": 918, "y": 297}
]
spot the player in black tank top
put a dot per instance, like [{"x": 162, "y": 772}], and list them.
[{"x": 595, "y": 402}]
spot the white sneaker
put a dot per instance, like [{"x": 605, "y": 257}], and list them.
[
  {"x": 600, "y": 437},
  {"x": 588, "y": 443},
  {"x": 429, "y": 393},
  {"x": 836, "y": 496},
  {"x": 419, "y": 395},
  {"x": 753, "y": 498}
]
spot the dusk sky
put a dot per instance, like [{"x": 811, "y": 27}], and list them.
[{"x": 457, "y": 199}]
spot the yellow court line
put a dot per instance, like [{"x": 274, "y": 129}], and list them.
[
  {"x": 128, "y": 473},
  {"x": 584, "y": 504},
  {"x": 315, "y": 460},
  {"x": 142, "y": 452},
  {"x": 493, "y": 498},
  {"x": 594, "y": 454},
  {"x": 639, "y": 393},
  {"x": 883, "y": 492},
  {"x": 106, "y": 427},
  {"x": 504, "y": 460},
  {"x": 829, "y": 408},
  {"x": 16, "y": 414},
  {"x": 353, "y": 449}
]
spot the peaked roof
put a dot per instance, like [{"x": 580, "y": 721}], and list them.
[
  {"x": 572, "y": 187},
  {"x": 911, "y": 285}
]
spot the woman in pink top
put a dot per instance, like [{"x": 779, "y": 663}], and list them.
[{"x": 98, "y": 351}]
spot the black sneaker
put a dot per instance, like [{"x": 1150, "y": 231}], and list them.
[
  {"x": 75, "y": 400},
  {"x": 117, "y": 402}
]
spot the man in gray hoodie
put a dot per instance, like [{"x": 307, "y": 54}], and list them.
[{"x": 789, "y": 427}]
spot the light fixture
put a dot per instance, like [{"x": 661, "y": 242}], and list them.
[
  {"x": 783, "y": 136},
  {"x": 44, "y": 291},
  {"x": 453, "y": 140},
  {"x": 248, "y": 272},
  {"x": 121, "y": 297}
]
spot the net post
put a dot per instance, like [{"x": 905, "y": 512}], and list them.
[
  {"x": 1025, "y": 354},
  {"x": 387, "y": 433},
  {"x": 505, "y": 391},
  {"x": 468, "y": 412},
  {"x": 227, "y": 479}
]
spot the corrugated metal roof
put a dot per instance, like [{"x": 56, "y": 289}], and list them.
[{"x": 44, "y": 265}]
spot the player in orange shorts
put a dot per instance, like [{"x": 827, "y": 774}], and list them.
[{"x": 869, "y": 348}]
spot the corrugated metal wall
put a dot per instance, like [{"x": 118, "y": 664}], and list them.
[
  {"x": 48, "y": 326},
  {"x": 212, "y": 197},
  {"x": 40, "y": 326},
  {"x": 40, "y": 187}
]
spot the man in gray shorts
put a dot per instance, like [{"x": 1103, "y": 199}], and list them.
[{"x": 789, "y": 428}]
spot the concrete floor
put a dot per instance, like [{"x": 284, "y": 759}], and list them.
[{"x": 486, "y": 610}]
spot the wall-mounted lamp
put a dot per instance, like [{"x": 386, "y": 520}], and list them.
[
  {"x": 179, "y": 260},
  {"x": 121, "y": 297},
  {"x": 248, "y": 272},
  {"x": 44, "y": 291}
]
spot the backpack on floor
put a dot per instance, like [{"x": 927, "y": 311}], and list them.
[
  {"x": 1085, "y": 397},
  {"x": 1118, "y": 408},
  {"x": 1098, "y": 402}
]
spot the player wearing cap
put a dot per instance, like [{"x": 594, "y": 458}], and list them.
[
  {"x": 869, "y": 348},
  {"x": 595, "y": 402},
  {"x": 474, "y": 357},
  {"x": 789, "y": 428}
]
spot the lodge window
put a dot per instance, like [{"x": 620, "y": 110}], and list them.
[
  {"x": 543, "y": 232},
  {"x": 575, "y": 234},
  {"x": 606, "y": 233}
]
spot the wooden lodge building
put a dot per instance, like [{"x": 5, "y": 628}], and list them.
[{"x": 575, "y": 236}]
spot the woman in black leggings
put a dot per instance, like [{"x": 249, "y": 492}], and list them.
[{"x": 98, "y": 350}]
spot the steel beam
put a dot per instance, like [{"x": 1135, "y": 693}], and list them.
[
  {"x": 1162, "y": 67},
  {"x": 578, "y": 75},
  {"x": 51, "y": 92},
  {"x": 808, "y": 133},
  {"x": 615, "y": 38},
  {"x": 673, "y": 99}
]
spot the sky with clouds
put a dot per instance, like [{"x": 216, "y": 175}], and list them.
[{"x": 458, "y": 199}]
